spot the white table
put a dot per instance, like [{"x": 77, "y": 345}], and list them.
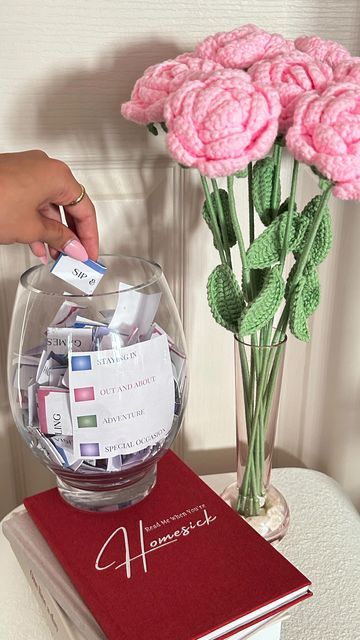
[{"x": 323, "y": 541}]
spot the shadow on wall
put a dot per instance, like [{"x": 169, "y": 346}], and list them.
[{"x": 82, "y": 105}]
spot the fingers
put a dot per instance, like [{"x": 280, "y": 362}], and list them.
[
  {"x": 83, "y": 219},
  {"x": 33, "y": 186},
  {"x": 39, "y": 251},
  {"x": 65, "y": 189},
  {"x": 61, "y": 238},
  {"x": 52, "y": 212}
]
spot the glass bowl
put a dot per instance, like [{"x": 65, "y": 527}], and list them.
[{"x": 98, "y": 383}]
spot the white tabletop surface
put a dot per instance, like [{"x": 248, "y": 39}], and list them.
[{"x": 323, "y": 541}]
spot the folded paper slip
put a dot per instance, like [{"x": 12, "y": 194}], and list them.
[{"x": 180, "y": 564}]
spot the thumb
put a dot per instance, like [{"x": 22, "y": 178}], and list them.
[{"x": 61, "y": 238}]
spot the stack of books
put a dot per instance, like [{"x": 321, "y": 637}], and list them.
[{"x": 180, "y": 565}]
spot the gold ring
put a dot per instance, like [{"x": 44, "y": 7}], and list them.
[{"x": 78, "y": 199}]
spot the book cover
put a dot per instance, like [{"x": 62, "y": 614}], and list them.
[
  {"x": 180, "y": 564},
  {"x": 66, "y": 615}
]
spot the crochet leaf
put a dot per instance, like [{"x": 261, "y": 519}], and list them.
[
  {"x": 262, "y": 310},
  {"x": 151, "y": 127},
  {"x": 310, "y": 289},
  {"x": 265, "y": 250},
  {"x": 297, "y": 317},
  {"x": 225, "y": 298},
  {"x": 257, "y": 282},
  {"x": 262, "y": 187},
  {"x": 226, "y": 209},
  {"x": 323, "y": 239}
]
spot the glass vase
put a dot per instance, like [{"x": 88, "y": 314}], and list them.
[
  {"x": 98, "y": 383},
  {"x": 258, "y": 377}
]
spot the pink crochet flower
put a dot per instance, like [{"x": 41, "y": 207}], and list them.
[
  {"x": 291, "y": 75},
  {"x": 221, "y": 121},
  {"x": 151, "y": 90},
  {"x": 327, "y": 51},
  {"x": 348, "y": 71},
  {"x": 326, "y": 133},
  {"x": 240, "y": 48}
]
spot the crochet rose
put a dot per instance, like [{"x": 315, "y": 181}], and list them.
[
  {"x": 327, "y": 51},
  {"x": 221, "y": 121},
  {"x": 326, "y": 133},
  {"x": 291, "y": 75},
  {"x": 348, "y": 71},
  {"x": 152, "y": 89},
  {"x": 240, "y": 48}
]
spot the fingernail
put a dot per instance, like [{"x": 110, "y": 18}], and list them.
[
  {"x": 74, "y": 249},
  {"x": 44, "y": 259}
]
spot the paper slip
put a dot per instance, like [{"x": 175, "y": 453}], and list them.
[
  {"x": 54, "y": 411},
  {"x": 23, "y": 376},
  {"x": 61, "y": 340},
  {"x": 106, "y": 339},
  {"x": 33, "y": 418},
  {"x": 66, "y": 315},
  {"x": 56, "y": 376},
  {"x": 48, "y": 448},
  {"x": 25, "y": 359},
  {"x": 134, "y": 310},
  {"x": 177, "y": 357},
  {"x": 121, "y": 401},
  {"x": 64, "y": 445},
  {"x": 85, "y": 322},
  {"x": 85, "y": 276}
]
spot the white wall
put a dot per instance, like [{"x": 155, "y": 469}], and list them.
[{"x": 65, "y": 69}]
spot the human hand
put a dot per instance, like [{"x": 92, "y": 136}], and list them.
[{"x": 32, "y": 187}]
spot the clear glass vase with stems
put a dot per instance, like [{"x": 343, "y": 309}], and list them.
[
  {"x": 258, "y": 377},
  {"x": 104, "y": 356}
]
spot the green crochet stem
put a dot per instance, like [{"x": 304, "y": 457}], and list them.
[
  {"x": 285, "y": 247},
  {"x": 239, "y": 236},
  {"x": 260, "y": 371},
  {"x": 251, "y": 204},
  {"x": 265, "y": 374},
  {"x": 274, "y": 194},
  {"x": 214, "y": 222}
]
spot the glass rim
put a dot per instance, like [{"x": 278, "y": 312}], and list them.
[
  {"x": 158, "y": 272},
  {"x": 261, "y": 346}
]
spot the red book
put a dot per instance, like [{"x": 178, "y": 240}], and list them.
[{"x": 180, "y": 564}]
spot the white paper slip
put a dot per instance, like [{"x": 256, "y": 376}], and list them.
[
  {"x": 54, "y": 411},
  {"x": 64, "y": 445},
  {"x": 33, "y": 418},
  {"x": 80, "y": 320},
  {"x": 85, "y": 276},
  {"x": 134, "y": 310},
  {"x": 23, "y": 376},
  {"x": 66, "y": 315},
  {"x": 48, "y": 448},
  {"x": 121, "y": 401},
  {"x": 25, "y": 359},
  {"x": 61, "y": 340}
]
